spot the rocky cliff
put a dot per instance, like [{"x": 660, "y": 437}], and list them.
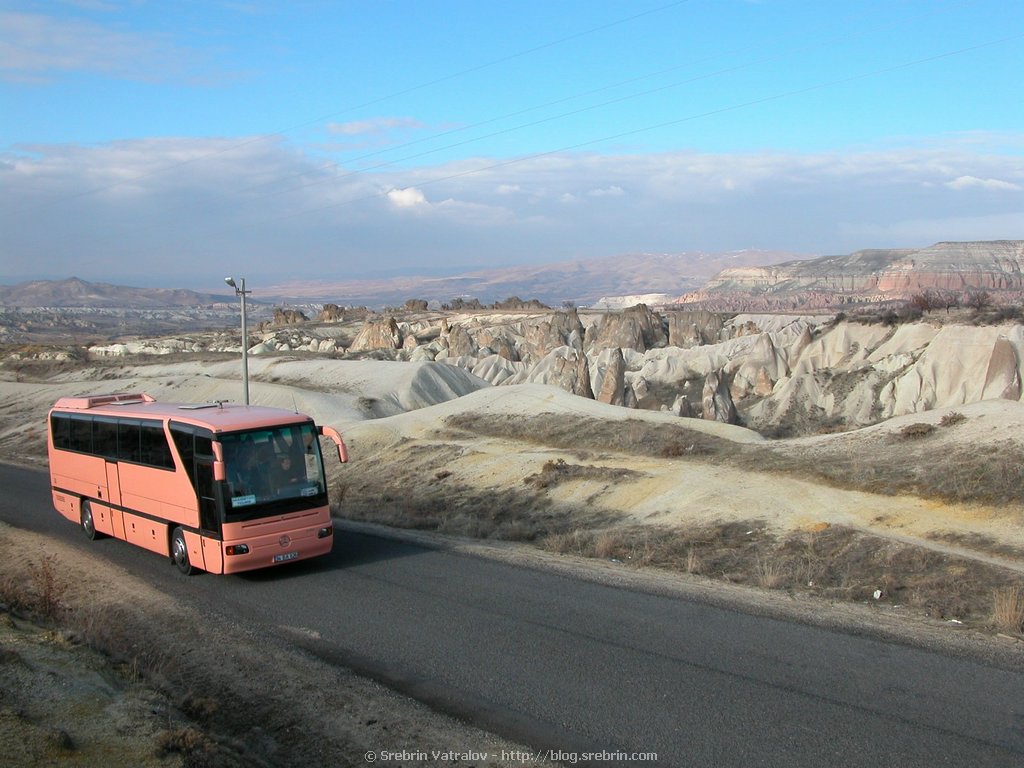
[{"x": 871, "y": 275}]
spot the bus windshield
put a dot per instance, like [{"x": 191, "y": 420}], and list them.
[{"x": 275, "y": 464}]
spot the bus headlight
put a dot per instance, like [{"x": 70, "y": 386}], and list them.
[
  {"x": 323, "y": 533},
  {"x": 236, "y": 549}
]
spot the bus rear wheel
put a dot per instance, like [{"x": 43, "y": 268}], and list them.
[
  {"x": 89, "y": 523},
  {"x": 179, "y": 552}
]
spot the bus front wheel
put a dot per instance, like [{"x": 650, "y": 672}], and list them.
[
  {"x": 179, "y": 552},
  {"x": 88, "y": 523}
]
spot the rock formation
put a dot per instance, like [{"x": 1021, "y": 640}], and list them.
[
  {"x": 560, "y": 329},
  {"x": 791, "y": 374},
  {"x": 717, "y": 402},
  {"x": 377, "y": 333},
  {"x": 613, "y": 379},
  {"x": 331, "y": 313},
  {"x": 693, "y": 328},
  {"x": 460, "y": 343},
  {"x": 635, "y": 328},
  {"x": 289, "y": 316},
  {"x": 565, "y": 367}
]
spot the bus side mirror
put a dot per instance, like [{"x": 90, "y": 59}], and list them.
[
  {"x": 332, "y": 434},
  {"x": 220, "y": 472}
]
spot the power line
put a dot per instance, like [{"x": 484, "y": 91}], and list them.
[
  {"x": 651, "y": 127},
  {"x": 728, "y": 70},
  {"x": 674, "y": 122},
  {"x": 396, "y": 94}
]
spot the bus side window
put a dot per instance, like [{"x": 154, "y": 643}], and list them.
[
  {"x": 129, "y": 435},
  {"x": 155, "y": 450},
  {"x": 60, "y": 427},
  {"x": 183, "y": 440},
  {"x": 81, "y": 434},
  {"x": 104, "y": 438}
]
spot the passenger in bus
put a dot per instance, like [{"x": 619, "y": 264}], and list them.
[{"x": 288, "y": 470}]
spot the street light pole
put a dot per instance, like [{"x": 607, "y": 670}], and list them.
[{"x": 241, "y": 293}]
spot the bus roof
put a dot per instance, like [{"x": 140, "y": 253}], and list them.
[{"x": 217, "y": 416}]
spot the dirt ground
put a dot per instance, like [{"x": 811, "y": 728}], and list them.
[{"x": 99, "y": 669}]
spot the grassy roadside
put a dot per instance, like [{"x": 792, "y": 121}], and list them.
[
  {"x": 95, "y": 682},
  {"x": 97, "y": 668}
]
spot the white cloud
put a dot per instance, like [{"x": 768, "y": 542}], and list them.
[
  {"x": 612, "y": 191},
  {"x": 187, "y": 205},
  {"x": 373, "y": 126},
  {"x": 1006, "y": 226},
  {"x": 36, "y": 46},
  {"x": 410, "y": 197},
  {"x": 968, "y": 182}
]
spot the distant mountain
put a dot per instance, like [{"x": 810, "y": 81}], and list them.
[
  {"x": 75, "y": 292},
  {"x": 996, "y": 266},
  {"x": 583, "y": 282}
]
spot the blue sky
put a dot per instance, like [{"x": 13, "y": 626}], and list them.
[{"x": 169, "y": 142}]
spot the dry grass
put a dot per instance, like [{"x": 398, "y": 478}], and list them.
[
  {"x": 197, "y": 748},
  {"x": 631, "y": 436},
  {"x": 952, "y": 418},
  {"x": 723, "y": 550},
  {"x": 421, "y": 492},
  {"x": 138, "y": 650},
  {"x": 770, "y": 574},
  {"x": 40, "y": 591},
  {"x": 836, "y": 563},
  {"x": 1008, "y": 609},
  {"x": 916, "y": 431},
  {"x": 559, "y": 471}
]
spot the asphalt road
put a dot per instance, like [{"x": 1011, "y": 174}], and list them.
[{"x": 575, "y": 666}]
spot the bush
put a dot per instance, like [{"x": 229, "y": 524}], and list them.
[
  {"x": 916, "y": 431},
  {"x": 951, "y": 418},
  {"x": 1008, "y": 609}
]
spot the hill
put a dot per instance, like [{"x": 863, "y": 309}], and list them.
[
  {"x": 875, "y": 275},
  {"x": 75, "y": 292},
  {"x": 582, "y": 282}
]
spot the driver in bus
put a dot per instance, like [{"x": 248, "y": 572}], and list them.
[{"x": 243, "y": 466}]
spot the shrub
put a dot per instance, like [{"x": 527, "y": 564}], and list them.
[
  {"x": 42, "y": 592},
  {"x": 916, "y": 431},
  {"x": 951, "y": 418},
  {"x": 1008, "y": 608}
]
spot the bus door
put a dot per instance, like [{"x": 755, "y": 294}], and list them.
[
  {"x": 209, "y": 515},
  {"x": 113, "y": 498},
  {"x": 195, "y": 448}
]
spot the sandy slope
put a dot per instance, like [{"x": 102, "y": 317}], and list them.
[
  {"x": 674, "y": 492},
  {"x": 380, "y": 405}
]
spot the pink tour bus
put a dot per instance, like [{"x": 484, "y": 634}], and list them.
[{"x": 215, "y": 487}]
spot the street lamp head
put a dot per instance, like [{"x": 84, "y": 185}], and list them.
[{"x": 230, "y": 281}]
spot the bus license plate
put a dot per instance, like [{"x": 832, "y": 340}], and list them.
[{"x": 285, "y": 556}]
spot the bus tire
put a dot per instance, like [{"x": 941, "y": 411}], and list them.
[
  {"x": 88, "y": 522},
  {"x": 179, "y": 552}
]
